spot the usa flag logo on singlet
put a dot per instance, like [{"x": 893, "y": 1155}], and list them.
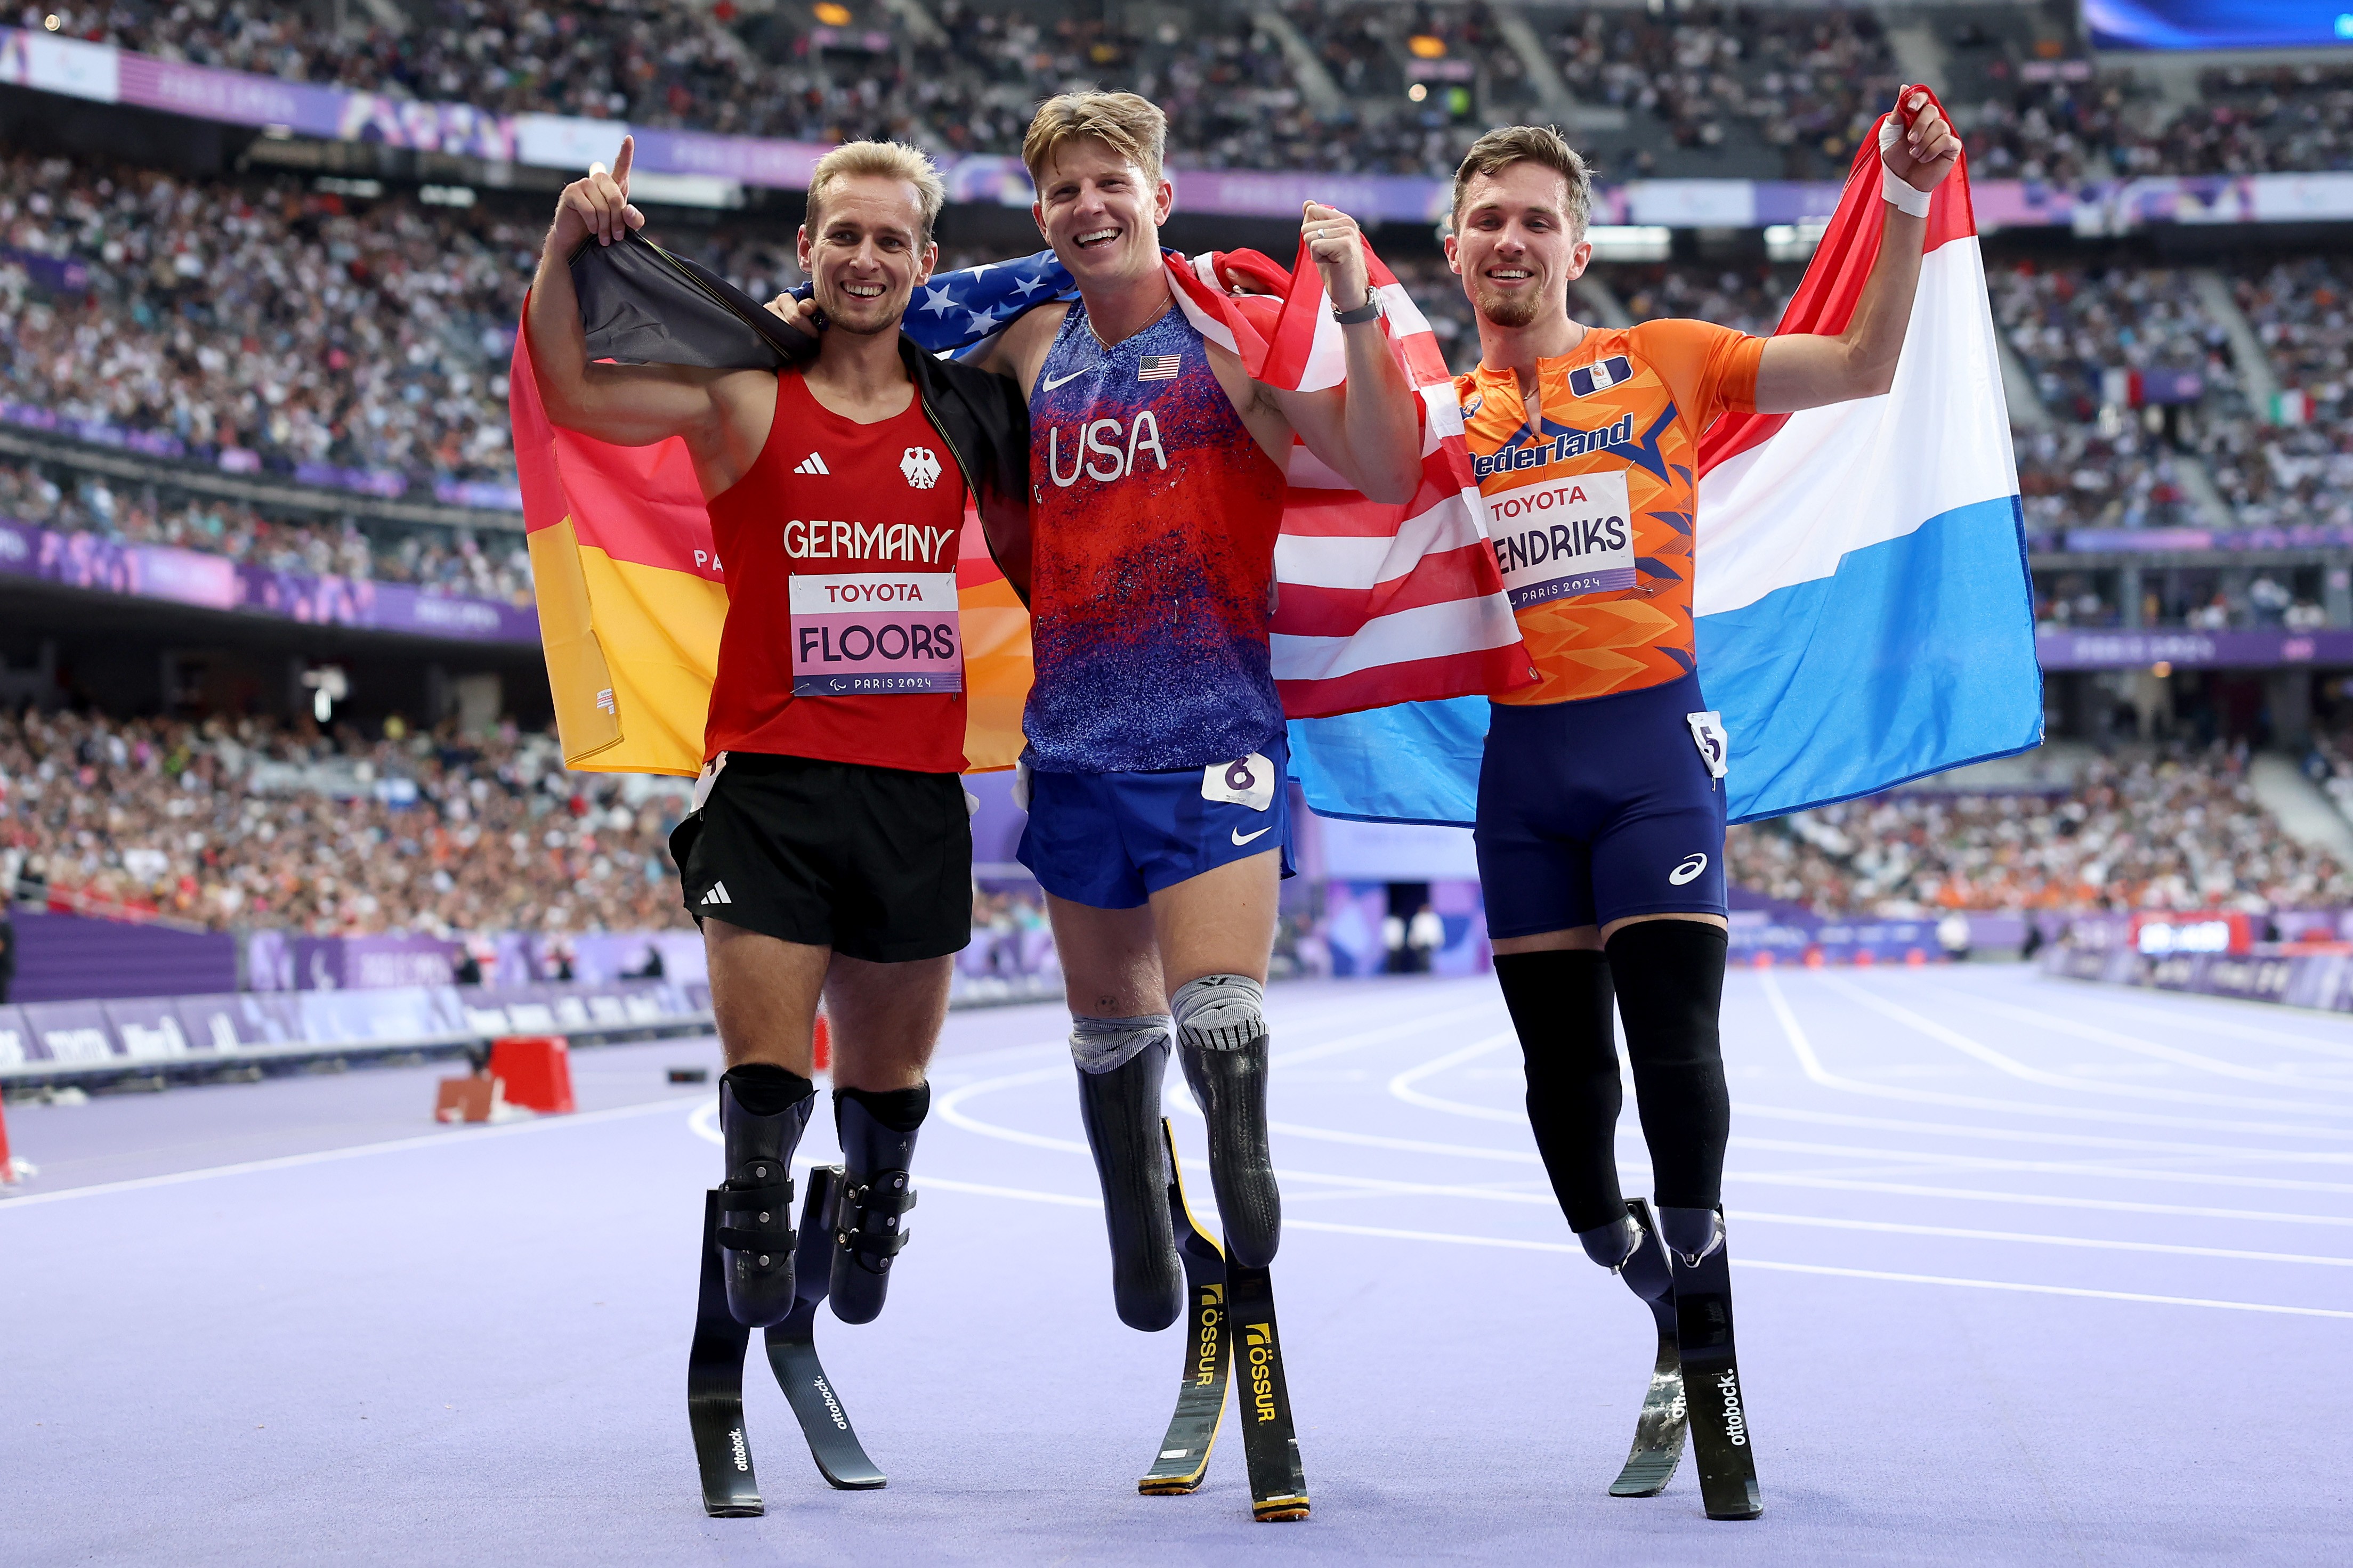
[
  {"x": 1600, "y": 376},
  {"x": 1158, "y": 367}
]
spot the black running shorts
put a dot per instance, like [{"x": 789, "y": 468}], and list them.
[{"x": 872, "y": 862}]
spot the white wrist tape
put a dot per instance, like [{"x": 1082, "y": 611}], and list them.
[{"x": 1906, "y": 198}]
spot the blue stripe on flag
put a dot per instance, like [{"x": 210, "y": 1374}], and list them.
[
  {"x": 1418, "y": 762},
  {"x": 1917, "y": 655}
]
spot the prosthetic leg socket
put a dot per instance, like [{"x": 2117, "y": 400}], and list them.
[
  {"x": 755, "y": 1220},
  {"x": 875, "y": 1195},
  {"x": 1121, "y": 1110},
  {"x": 1221, "y": 1036}
]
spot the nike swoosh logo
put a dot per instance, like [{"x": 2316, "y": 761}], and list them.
[
  {"x": 1050, "y": 382},
  {"x": 1241, "y": 838}
]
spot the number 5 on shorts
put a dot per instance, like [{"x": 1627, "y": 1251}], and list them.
[{"x": 1249, "y": 782}]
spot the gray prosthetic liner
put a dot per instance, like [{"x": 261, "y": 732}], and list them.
[
  {"x": 1121, "y": 1062},
  {"x": 1221, "y": 1037}
]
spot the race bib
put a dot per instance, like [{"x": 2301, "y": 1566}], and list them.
[
  {"x": 858, "y": 634},
  {"x": 1567, "y": 536},
  {"x": 1249, "y": 782},
  {"x": 1715, "y": 745}
]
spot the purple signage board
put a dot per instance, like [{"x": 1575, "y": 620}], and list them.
[
  {"x": 237, "y": 1021},
  {"x": 217, "y": 583},
  {"x": 16, "y": 1036},
  {"x": 63, "y": 958},
  {"x": 2322, "y": 980},
  {"x": 148, "y": 1026},
  {"x": 69, "y": 1032},
  {"x": 2192, "y": 650}
]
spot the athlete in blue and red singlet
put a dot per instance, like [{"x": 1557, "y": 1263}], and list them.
[{"x": 1159, "y": 826}]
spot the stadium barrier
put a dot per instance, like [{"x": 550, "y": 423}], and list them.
[
  {"x": 2315, "y": 979},
  {"x": 160, "y": 1038},
  {"x": 217, "y": 583}
]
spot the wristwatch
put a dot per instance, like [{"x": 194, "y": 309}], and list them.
[{"x": 1370, "y": 310}]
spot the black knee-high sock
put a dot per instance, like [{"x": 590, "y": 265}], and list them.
[
  {"x": 1559, "y": 1003},
  {"x": 1670, "y": 982}
]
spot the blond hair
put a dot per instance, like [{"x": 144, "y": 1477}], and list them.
[
  {"x": 889, "y": 161},
  {"x": 1130, "y": 126},
  {"x": 1499, "y": 148}
]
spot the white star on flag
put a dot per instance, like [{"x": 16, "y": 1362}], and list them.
[
  {"x": 982, "y": 321},
  {"x": 939, "y": 300}
]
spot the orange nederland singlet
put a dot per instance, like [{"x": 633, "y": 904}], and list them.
[{"x": 1592, "y": 511}]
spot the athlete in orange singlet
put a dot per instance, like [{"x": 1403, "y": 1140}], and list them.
[{"x": 1601, "y": 817}]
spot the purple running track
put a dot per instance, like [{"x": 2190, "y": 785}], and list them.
[{"x": 2029, "y": 1270}]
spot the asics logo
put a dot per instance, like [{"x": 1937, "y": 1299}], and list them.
[
  {"x": 1241, "y": 838},
  {"x": 1054, "y": 380},
  {"x": 1688, "y": 871}
]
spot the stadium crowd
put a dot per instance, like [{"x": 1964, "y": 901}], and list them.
[
  {"x": 248, "y": 822},
  {"x": 2176, "y": 828},
  {"x": 1765, "y": 91},
  {"x": 438, "y": 561},
  {"x": 260, "y": 322}
]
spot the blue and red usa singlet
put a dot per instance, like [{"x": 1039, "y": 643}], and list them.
[{"x": 1155, "y": 520}]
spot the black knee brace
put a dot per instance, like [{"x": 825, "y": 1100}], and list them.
[
  {"x": 1669, "y": 977},
  {"x": 1560, "y": 1002}
]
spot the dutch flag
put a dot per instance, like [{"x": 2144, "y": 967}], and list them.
[{"x": 1864, "y": 612}]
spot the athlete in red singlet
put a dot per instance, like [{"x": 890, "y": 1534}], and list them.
[{"x": 828, "y": 853}]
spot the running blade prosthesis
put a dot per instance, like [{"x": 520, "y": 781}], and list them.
[
  {"x": 1232, "y": 1320},
  {"x": 1711, "y": 1377},
  {"x": 1659, "y": 1430},
  {"x": 714, "y": 1375}
]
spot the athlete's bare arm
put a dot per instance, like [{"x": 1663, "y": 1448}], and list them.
[
  {"x": 1366, "y": 430},
  {"x": 1806, "y": 370},
  {"x": 1021, "y": 350},
  {"x": 722, "y": 415}
]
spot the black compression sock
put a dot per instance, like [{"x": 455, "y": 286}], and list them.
[
  {"x": 1560, "y": 1002},
  {"x": 1670, "y": 982},
  {"x": 766, "y": 1089},
  {"x": 900, "y": 1109}
]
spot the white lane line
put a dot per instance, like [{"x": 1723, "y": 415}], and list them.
[
  {"x": 1811, "y": 1064},
  {"x": 2133, "y": 1043},
  {"x": 2203, "y": 1014},
  {"x": 1379, "y": 1036},
  {"x": 324, "y": 1156},
  {"x": 1750, "y": 1216},
  {"x": 948, "y": 1108},
  {"x": 1742, "y": 1108},
  {"x": 2001, "y": 1061},
  {"x": 1401, "y": 1085},
  {"x": 2037, "y": 1200},
  {"x": 1916, "y": 1159},
  {"x": 1388, "y": 1233}
]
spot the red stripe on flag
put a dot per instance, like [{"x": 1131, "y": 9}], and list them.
[
  {"x": 1441, "y": 577},
  {"x": 1414, "y": 680},
  {"x": 1826, "y": 298}
]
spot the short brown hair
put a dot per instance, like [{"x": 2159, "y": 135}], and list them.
[
  {"x": 1130, "y": 126},
  {"x": 1507, "y": 146},
  {"x": 888, "y": 160}
]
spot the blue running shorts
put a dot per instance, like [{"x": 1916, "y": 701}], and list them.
[
  {"x": 1592, "y": 811},
  {"x": 1113, "y": 840}
]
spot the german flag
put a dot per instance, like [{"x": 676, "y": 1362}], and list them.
[{"x": 632, "y": 597}]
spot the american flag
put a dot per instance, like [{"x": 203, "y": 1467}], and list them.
[
  {"x": 1157, "y": 367},
  {"x": 1378, "y": 604}
]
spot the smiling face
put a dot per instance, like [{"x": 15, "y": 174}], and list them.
[
  {"x": 1516, "y": 247},
  {"x": 1100, "y": 212},
  {"x": 865, "y": 252}
]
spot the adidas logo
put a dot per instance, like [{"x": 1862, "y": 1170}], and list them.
[
  {"x": 718, "y": 894},
  {"x": 812, "y": 463}
]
